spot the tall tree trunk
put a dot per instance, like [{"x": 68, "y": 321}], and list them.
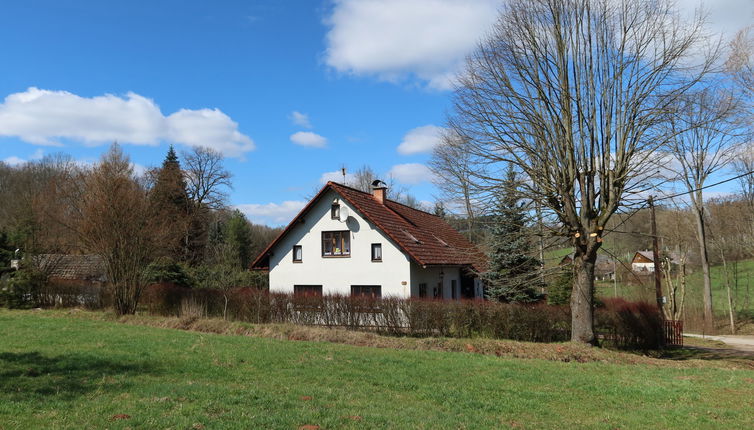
[
  {"x": 541, "y": 244},
  {"x": 727, "y": 288},
  {"x": 703, "y": 255},
  {"x": 469, "y": 209},
  {"x": 582, "y": 298}
]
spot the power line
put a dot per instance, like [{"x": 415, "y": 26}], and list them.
[
  {"x": 705, "y": 187},
  {"x": 646, "y": 202}
]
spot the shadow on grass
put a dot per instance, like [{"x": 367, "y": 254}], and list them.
[
  {"x": 711, "y": 354},
  {"x": 32, "y": 376}
]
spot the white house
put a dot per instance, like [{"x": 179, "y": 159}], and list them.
[
  {"x": 346, "y": 241},
  {"x": 643, "y": 261}
]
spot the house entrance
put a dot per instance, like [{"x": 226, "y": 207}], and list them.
[{"x": 467, "y": 285}]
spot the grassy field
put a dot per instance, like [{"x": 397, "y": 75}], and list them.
[{"x": 59, "y": 371}]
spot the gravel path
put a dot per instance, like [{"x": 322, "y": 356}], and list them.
[{"x": 743, "y": 343}]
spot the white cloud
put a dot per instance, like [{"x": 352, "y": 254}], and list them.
[
  {"x": 272, "y": 213},
  {"x": 41, "y": 117},
  {"x": 301, "y": 119},
  {"x": 307, "y": 138},
  {"x": 14, "y": 161},
  {"x": 337, "y": 176},
  {"x": 725, "y": 17},
  {"x": 411, "y": 173},
  {"x": 397, "y": 39},
  {"x": 421, "y": 139}
]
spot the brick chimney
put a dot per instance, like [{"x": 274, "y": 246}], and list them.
[{"x": 379, "y": 191}]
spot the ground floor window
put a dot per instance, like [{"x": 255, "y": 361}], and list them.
[
  {"x": 423, "y": 290},
  {"x": 371, "y": 291},
  {"x": 453, "y": 292},
  {"x": 307, "y": 290}
]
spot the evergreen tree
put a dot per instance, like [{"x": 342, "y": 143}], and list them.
[
  {"x": 6, "y": 250},
  {"x": 440, "y": 210},
  {"x": 170, "y": 202},
  {"x": 237, "y": 236},
  {"x": 513, "y": 274},
  {"x": 169, "y": 191}
]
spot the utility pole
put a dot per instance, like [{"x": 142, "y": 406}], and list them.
[{"x": 656, "y": 255}]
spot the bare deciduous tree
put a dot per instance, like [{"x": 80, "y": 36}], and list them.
[
  {"x": 740, "y": 62},
  {"x": 451, "y": 166},
  {"x": 573, "y": 93},
  {"x": 706, "y": 134},
  {"x": 114, "y": 219},
  {"x": 206, "y": 177}
]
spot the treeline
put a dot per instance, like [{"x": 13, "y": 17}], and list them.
[{"x": 170, "y": 224}]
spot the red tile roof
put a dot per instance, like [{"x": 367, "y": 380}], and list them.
[{"x": 427, "y": 239}]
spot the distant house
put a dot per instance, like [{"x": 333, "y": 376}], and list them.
[
  {"x": 73, "y": 270},
  {"x": 604, "y": 268},
  {"x": 643, "y": 261},
  {"x": 346, "y": 241}
]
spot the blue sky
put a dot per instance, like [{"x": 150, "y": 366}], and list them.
[{"x": 287, "y": 90}]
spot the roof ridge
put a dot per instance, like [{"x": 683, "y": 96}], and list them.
[{"x": 387, "y": 200}]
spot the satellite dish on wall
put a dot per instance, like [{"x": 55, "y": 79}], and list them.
[{"x": 343, "y": 216}]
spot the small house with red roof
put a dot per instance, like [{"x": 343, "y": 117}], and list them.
[{"x": 346, "y": 241}]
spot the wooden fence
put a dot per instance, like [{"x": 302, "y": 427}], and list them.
[{"x": 673, "y": 332}]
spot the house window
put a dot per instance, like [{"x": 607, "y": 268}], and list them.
[
  {"x": 335, "y": 211},
  {"x": 423, "y": 290},
  {"x": 371, "y": 291},
  {"x": 298, "y": 254},
  {"x": 336, "y": 243},
  {"x": 307, "y": 290},
  {"x": 376, "y": 252},
  {"x": 453, "y": 292},
  {"x": 437, "y": 293}
]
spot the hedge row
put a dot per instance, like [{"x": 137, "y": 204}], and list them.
[
  {"x": 632, "y": 325},
  {"x": 623, "y": 324}
]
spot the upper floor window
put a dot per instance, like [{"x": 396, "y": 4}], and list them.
[
  {"x": 335, "y": 211},
  {"x": 298, "y": 254},
  {"x": 336, "y": 243},
  {"x": 376, "y": 252}
]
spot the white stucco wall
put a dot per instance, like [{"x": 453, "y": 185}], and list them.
[
  {"x": 337, "y": 274},
  {"x": 642, "y": 267}
]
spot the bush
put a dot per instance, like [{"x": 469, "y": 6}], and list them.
[
  {"x": 630, "y": 325},
  {"x": 166, "y": 271},
  {"x": 21, "y": 289}
]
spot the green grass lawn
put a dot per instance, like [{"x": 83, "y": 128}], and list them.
[{"x": 58, "y": 371}]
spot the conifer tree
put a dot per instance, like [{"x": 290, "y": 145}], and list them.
[
  {"x": 171, "y": 203},
  {"x": 237, "y": 236},
  {"x": 513, "y": 274},
  {"x": 169, "y": 191}
]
